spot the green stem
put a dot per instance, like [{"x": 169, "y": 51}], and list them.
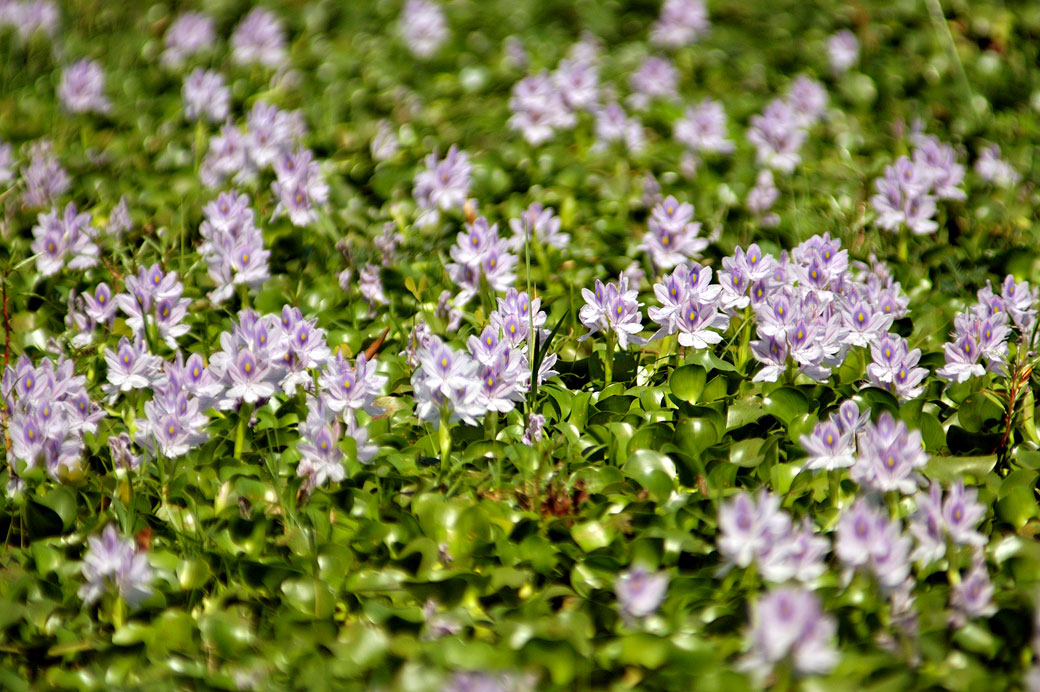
[
  {"x": 444, "y": 435},
  {"x": 244, "y": 414},
  {"x": 608, "y": 361}
]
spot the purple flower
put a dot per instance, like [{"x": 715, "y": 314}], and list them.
[
  {"x": 927, "y": 526},
  {"x": 972, "y": 597},
  {"x": 130, "y": 366},
  {"x": 443, "y": 185},
  {"x": 227, "y": 157},
  {"x": 577, "y": 82},
  {"x": 6, "y": 163},
  {"x": 681, "y": 22},
  {"x": 300, "y": 188},
  {"x": 112, "y": 562},
  {"x": 964, "y": 352},
  {"x": 938, "y": 163},
  {"x": 640, "y": 592},
  {"x": 842, "y": 51},
  {"x": 270, "y": 134},
  {"x": 515, "y": 315},
  {"x": 828, "y": 447},
  {"x": 233, "y": 246},
  {"x": 778, "y": 136},
  {"x": 488, "y": 682},
  {"x": 673, "y": 236},
  {"x": 789, "y": 622},
  {"x": 534, "y": 432},
  {"x": 206, "y": 96},
  {"x": 122, "y": 457},
  {"x": 173, "y": 424},
  {"x": 538, "y": 109},
  {"x": 808, "y": 98},
  {"x": 82, "y": 88},
  {"x": 894, "y": 367},
  {"x": 613, "y": 308},
  {"x": 479, "y": 252},
  {"x": 764, "y": 194},
  {"x": 748, "y": 528},
  {"x": 191, "y": 34},
  {"x": 655, "y": 78},
  {"x": 119, "y": 220},
  {"x": 993, "y": 169},
  {"x": 423, "y": 27},
  {"x": 347, "y": 388},
  {"x": 867, "y": 539},
  {"x": 543, "y": 222},
  {"x": 259, "y": 39},
  {"x": 889, "y": 456},
  {"x": 614, "y": 125},
  {"x": 251, "y": 362},
  {"x": 961, "y": 513},
  {"x": 64, "y": 240},
  {"x": 446, "y": 383},
  {"x": 1020, "y": 301},
  {"x": 321, "y": 459},
  {"x": 502, "y": 379},
  {"x": 703, "y": 128}
]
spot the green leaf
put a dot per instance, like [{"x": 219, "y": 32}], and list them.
[
  {"x": 747, "y": 452},
  {"x": 687, "y": 382},
  {"x": 786, "y": 404},
  {"x": 592, "y": 535},
  {"x": 654, "y": 471}
]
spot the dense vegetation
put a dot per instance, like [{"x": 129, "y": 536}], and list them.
[{"x": 487, "y": 345}]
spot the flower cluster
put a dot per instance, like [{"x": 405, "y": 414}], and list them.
[
  {"x": 82, "y": 88},
  {"x": 206, "y": 96},
  {"x": 48, "y": 411},
  {"x": 640, "y": 592},
  {"x": 44, "y": 178},
  {"x": 480, "y": 254},
  {"x": 423, "y": 27},
  {"x": 957, "y": 516},
  {"x": 545, "y": 103},
  {"x": 842, "y": 51},
  {"x": 191, "y": 34},
  {"x": 760, "y": 532},
  {"x": 673, "y": 236},
  {"x": 779, "y": 132},
  {"x": 232, "y": 245},
  {"x": 868, "y": 539},
  {"x": 889, "y": 456},
  {"x": 543, "y": 225},
  {"x": 909, "y": 189},
  {"x": 155, "y": 297},
  {"x": 61, "y": 240},
  {"x": 259, "y": 39},
  {"x": 702, "y": 129},
  {"x": 614, "y": 310},
  {"x": 982, "y": 332},
  {"x": 832, "y": 444},
  {"x": 28, "y": 17},
  {"x": 993, "y": 169},
  {"x": 681, "y": 22},
  {"x": 690, "y": 306},
  {"x": 174, "y": 423},
  {"x": 442, "y": 186},
  {"x": 115, "y": 563},
  {"x": 789, "y": 622},
  {"x": 894, "y": 365}
]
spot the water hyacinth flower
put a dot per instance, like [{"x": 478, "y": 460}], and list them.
[
  {"x": 614, "y": 125},
  {"x": 514, "y": 317},
  {"x": 321, "y": 459},
  {"x": 973, "y": 339},
  {"x": 778, "y": 136},
  {"x": 122, "y": 457},
  {"x": 259, "y": 39},
  {"x": 191, "y": 34},
  {"x": 173, "y": 424},
  {"x": 130, "y": 367},
  {"x": 479, "y": 253},
  {"x": 889, "y": 456},
  {"x": 672, "y": 237},
  {"x": 206, "y": 96},
  {"x": 82, "y": 88},
  {"x": 300, "y": 187},
  {"x": 808, "y": 99},
  {"x": 614, "y": 310},
  {"x": 867, "y": 539},
  {"x": 251, "y": 362},
  {"x": 894, "y": 365},
  {"x": 972, "y": 597},
  {"x": 993, "y": 169},
  {"x": 842, "y": 51},
  {"x": 829, "y": 447},
  {"x": 789, "y": 623},
  {"x": 233, "y": 246},
  {"x": 655, "y": 78},
  {"x": 271, "y": 135},
  {"x": 6, "y": 163},
  {"x": 1019, "y": 302},
  {"x": 539, "y": 109},
  {"x": 347, "y": 388},
  {"x": 114, "y": 563},
  {"x": 227, "y": 158},
  {"x": 681, "y": 22},
  {"x": 908, "y": 190},
  {"x": 577, "y": 81},
  {"x": 703, "y": 128},
  {"x": 423, "y": 27},
  {"x": 44, "y": 177},
  {"x": 119, "y": 220},
  {"x": 62, "y": 240},
  {"x": 489, "y": 682},
  {"x": 640, "y": 592},
  {"x": 544, "y": 224},
  {"x": 446, "y": 384},
  {"x": 534, "y": 432},
  {"x": 443, "y": 185}
]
